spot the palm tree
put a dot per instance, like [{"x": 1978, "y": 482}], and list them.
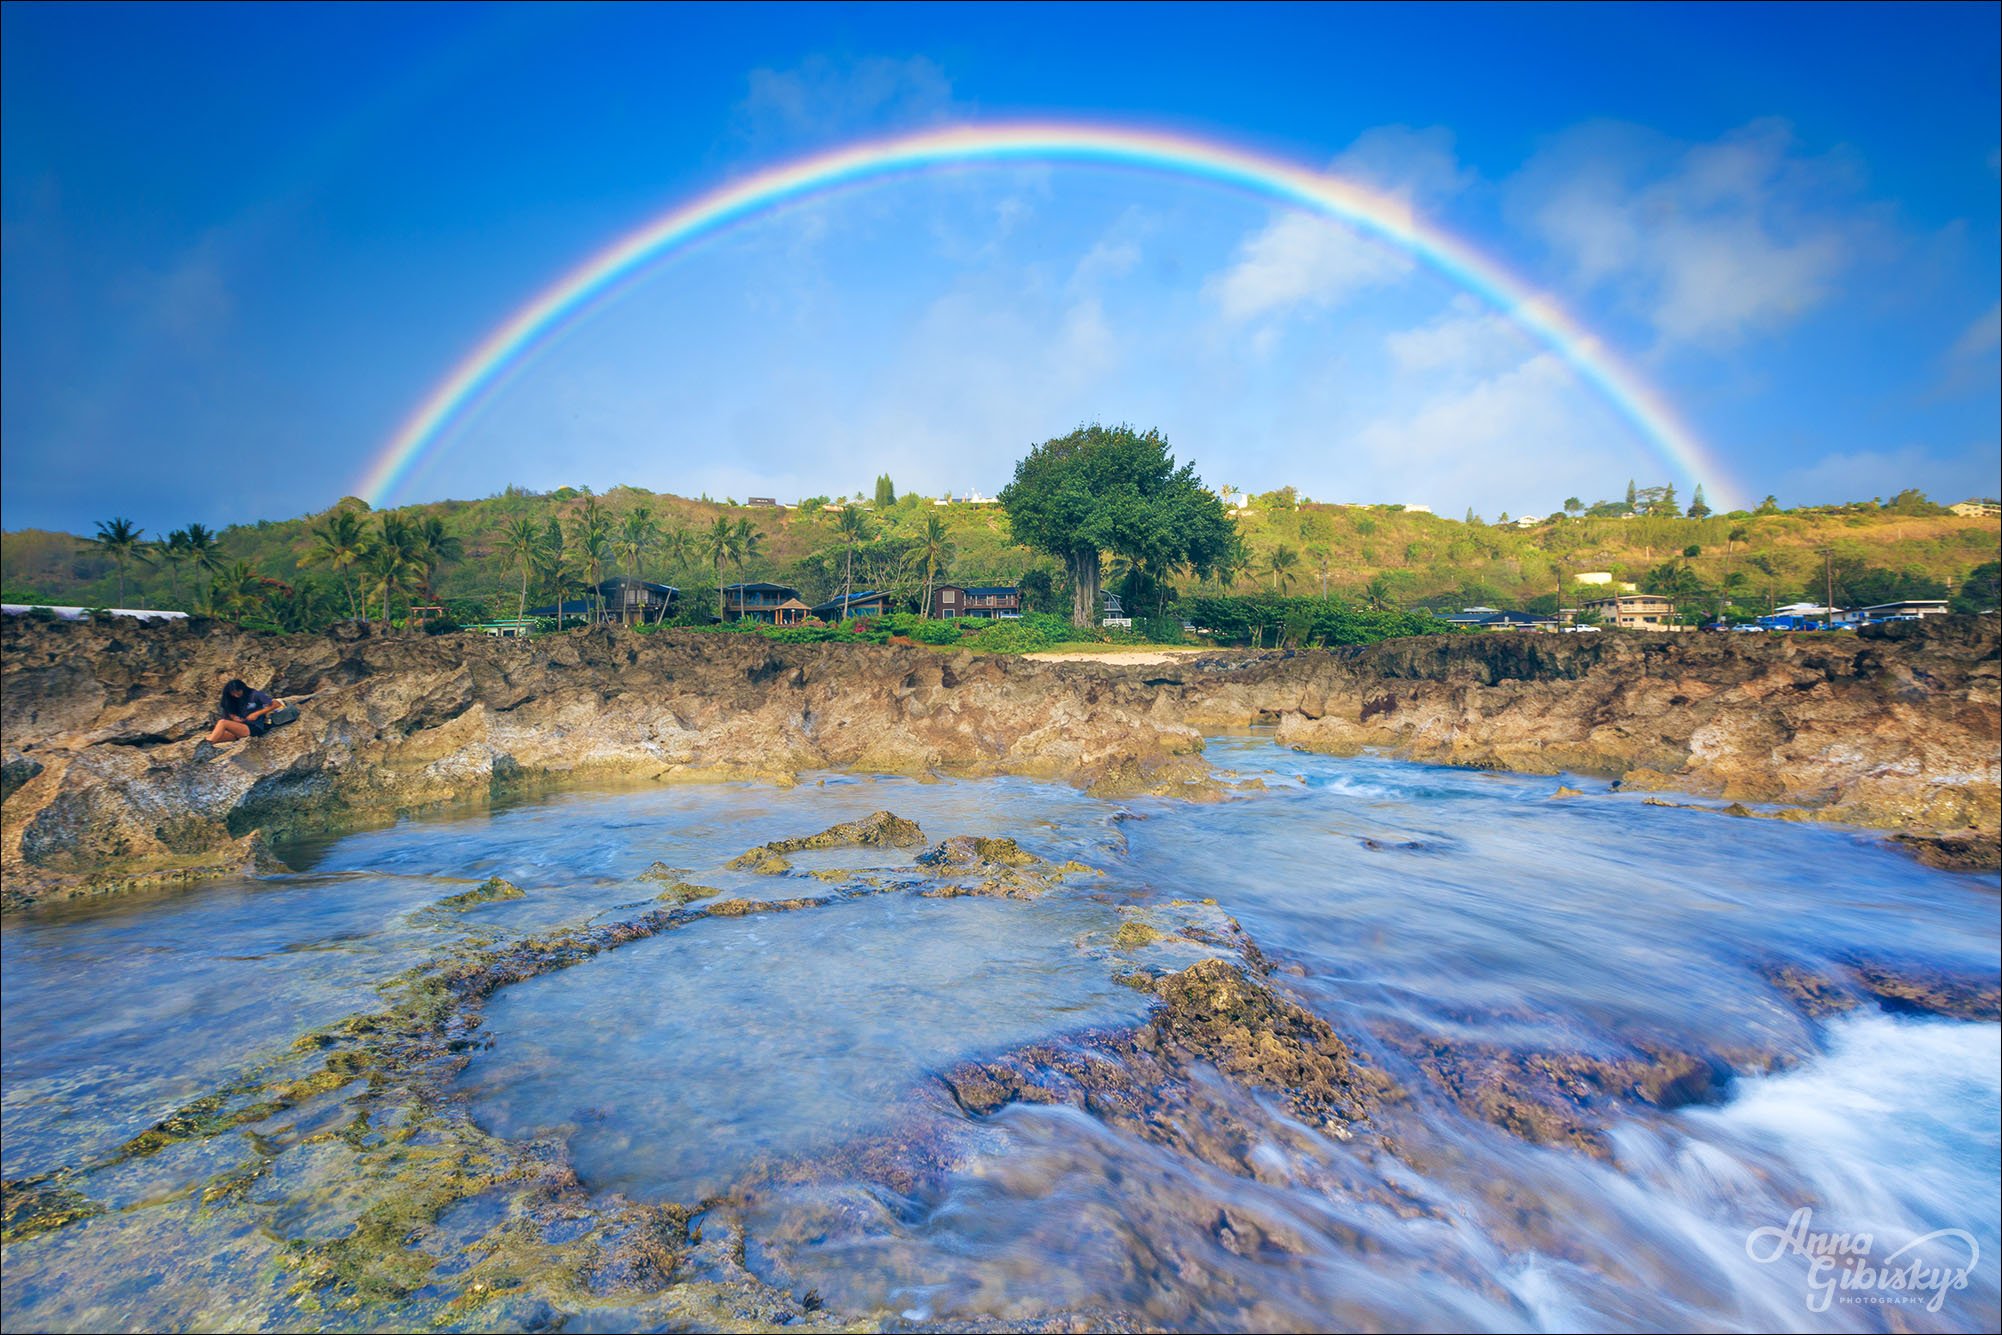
[
  {"x": 747, "y": 544},
  {"x": 1281, "y": 564},
  {"x": 1377, "y": 594},
  {"x": 1322, "y": 558},
  {"x": 124, "y": 542},
  {"x": 594, "y": 546},
  {"x": 553, "y": 568},
  {"x": 340, "y": 542},
  {"x": 522, "y": 547},
  {"x": 395, "y": 562},
  {"x": 204, "y": 549},
  {"x": 933, "y": 551},
  {"x": 237, "y": 591},
  {"x": 637, "y": 537},
  {"x": 853, "y": 526},
  {"x": 719, "y": 544},
  {"x": 439, "y": 547},
  {"x": 677, "y": 547},
  {"x": 170, "y": 552}
]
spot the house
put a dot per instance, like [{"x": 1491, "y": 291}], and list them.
[
  {"x": 861, "y": 603},
  {"x": 762, "y": 502},
  {"x": 984, "y": 600},
  {"x": 1910, "y": 609},
  {"x": 1528, "y": 521},
  {"x": 1593, "y": 577},
  {"x": 507, "y": 628},
  {"x": 637, "y": 601},
  {"x": 1111, "y": 611},
  {"x": 773, "y": 604},
  {"x": 1634, "y": 611},
  {"x": 1974, "y": 508},
  {"x": 618, "y": 599},
  {"x": 1488, "y": 618},
  {"x": 570, "y": 609}
]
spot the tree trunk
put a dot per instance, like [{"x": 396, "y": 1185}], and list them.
[
  {"x": 1084, "y": 586},
  {"x": 521, "y": 608}
]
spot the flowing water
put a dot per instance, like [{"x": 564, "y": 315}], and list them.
[{"x": 779, "y": 1072}]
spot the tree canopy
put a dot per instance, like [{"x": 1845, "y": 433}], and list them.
[{"x": 1113, "y": 489}]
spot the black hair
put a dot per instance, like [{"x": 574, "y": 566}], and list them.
[{"x": 232, "y": 693}]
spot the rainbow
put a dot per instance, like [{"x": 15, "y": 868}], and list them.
[{"x": 551, "y": 310}]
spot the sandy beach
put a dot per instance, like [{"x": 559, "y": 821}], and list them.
[{"x": 1129, "y": 657}]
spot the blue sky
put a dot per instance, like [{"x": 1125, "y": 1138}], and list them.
[{"x": 241, "y": 244}]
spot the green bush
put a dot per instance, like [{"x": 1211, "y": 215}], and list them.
[
  {"x": 1270, "y": 619},
  {"x": 1025, "y": 634}
]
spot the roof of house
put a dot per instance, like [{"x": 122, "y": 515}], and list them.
[
  {"x": 985, "y": 590},
  {"x": 775, "y": 588},
  {"x": 571, "y": 607},
  {"x": 621, "y": 581},
  {"x": 1905, "y": 602},
  {"x": 838, "y": 602},
  {"x": 1488, "y": 616}
]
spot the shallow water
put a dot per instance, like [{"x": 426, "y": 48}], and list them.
[{"x": 766, "y": 1062}]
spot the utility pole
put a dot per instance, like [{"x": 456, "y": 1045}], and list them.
[{"x": 1828, "y": 571}]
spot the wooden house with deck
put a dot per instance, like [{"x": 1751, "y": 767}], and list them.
[
  {"x": 986, "y": 601},
  {"x": 773, "y": 604}
]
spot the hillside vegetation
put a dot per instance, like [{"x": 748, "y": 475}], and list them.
[{"x": 1379, "y": 557}]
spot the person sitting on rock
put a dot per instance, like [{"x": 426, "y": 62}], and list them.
[{"x": 243, "y": 713}]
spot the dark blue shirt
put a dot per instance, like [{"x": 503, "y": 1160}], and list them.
[{"x": 248, "y": 704}]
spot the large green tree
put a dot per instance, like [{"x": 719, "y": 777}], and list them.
[{"x": 1113, "y": 489}]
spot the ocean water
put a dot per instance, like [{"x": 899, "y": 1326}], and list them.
[{"x": 780, "y": 1072}]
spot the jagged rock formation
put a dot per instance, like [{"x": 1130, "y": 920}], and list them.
[{"x": 102, "y": 786}]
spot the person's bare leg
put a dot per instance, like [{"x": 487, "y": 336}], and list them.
[{"x": 227, "y": 731}]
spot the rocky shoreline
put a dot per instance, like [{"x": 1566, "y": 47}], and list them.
[{"x": 1895, "y": 728}]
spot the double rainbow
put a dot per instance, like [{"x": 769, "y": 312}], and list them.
[{"x": 1380, "y": 215}]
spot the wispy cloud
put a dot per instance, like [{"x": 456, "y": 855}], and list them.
[
  {"x": 1305, "y": 260},
  {"x": 1980, "y": 341},
  {"x": 1708, "y": 242},
  {"x": 823, "y": 97}
]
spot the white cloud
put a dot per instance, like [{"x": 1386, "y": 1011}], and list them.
[
  {"x": 822, "y": 97},
  {"x": 1468, "y": 336},
  {"x": 1978, "y": 344},
  {"x": 1304, "y": 259},
  {"x": 1416, "y": 166},
  {"x": 1469, "y": 444},
  {"x": 1708, "y": 242}
]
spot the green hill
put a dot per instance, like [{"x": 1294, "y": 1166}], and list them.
[{"x": 1377, "y": 555}]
